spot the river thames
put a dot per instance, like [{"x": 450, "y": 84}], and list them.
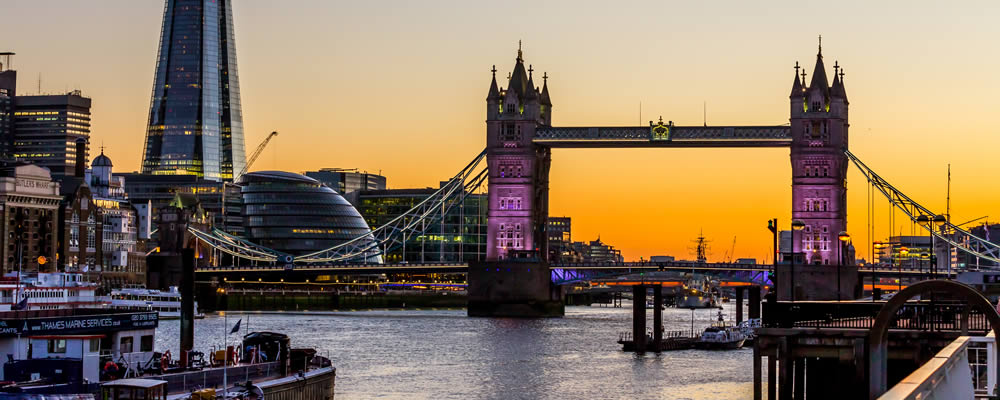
[{"x": 444, "y": 354}]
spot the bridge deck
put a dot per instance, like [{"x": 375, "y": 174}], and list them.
[{"x": 665, "y": 136}]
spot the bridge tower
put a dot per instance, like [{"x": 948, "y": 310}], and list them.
[
  {"x": 519, "y": 170},
  {"x": 819, "y": 166},
  {"x": 514, "y": 280}
]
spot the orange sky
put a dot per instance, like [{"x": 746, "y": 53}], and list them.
[{"x": 400, "y": 88}]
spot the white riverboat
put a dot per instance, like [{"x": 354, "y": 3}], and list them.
[
  {"x": 166, "y": 303},
  {"x": 49, "y": 291}
]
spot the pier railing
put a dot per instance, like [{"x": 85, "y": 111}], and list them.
[{"x": 924, "y": 315}]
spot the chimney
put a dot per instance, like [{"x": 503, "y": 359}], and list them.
[{"x": 81, "y": 157}]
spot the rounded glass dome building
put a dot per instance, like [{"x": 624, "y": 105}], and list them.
[{"x": 296, "y": 214}]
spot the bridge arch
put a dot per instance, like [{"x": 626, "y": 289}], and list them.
[{"x": 879, "y": 334}]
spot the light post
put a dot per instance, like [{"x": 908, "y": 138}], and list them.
[
  {"x": 903, "y": 251},
  {"x": 925, "y": 222},
  {"x": 772, "y": 225},
  {"x": 797, "y": 225},
  {"x": 844, "y": 237},
  {"x": 939, "y": 221}
]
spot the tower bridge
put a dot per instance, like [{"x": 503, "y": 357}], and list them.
[{"x": 515, "y": 164}]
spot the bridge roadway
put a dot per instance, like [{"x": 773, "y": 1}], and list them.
[
  {"x": 558, "y": 268},
  {"x": 664, "y": 136}
]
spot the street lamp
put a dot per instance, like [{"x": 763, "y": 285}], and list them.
[
  {"x": 772, "y": 225},
  {"x": 844, "y": 237},
  {"x": 939, "y": 221},
  {"x": 903, "y": 251},
  {"x": 797, "y": 225},
  {"x": 926, "y": 223}
]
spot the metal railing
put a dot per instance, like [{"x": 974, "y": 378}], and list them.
[{"x": 924, "y": 315}]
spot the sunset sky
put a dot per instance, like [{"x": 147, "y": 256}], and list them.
[{"x": 400, "y": 87}]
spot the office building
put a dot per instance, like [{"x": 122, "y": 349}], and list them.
[
  {"x": 348, "y": 182},
  {"x": 596, "y": 251},
  {"x": 909, "y": 252},
  {"x": 559, "y": 236},
  {"x": 30, "y": 202},
  {"x": 8, "y": 89},
  {"x": 222, "y": 201},
  {"x": 100, "y": 232},
  {"x": 459, "y": 237},
  {"x": 47, "y": 128},
  {"x": 296, "y": 214},
  {"x": 195, "y": 119}
]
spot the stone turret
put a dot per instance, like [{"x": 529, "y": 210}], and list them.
[{"x": 819, "y": 166}]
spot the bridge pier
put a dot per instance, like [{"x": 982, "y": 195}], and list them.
[
  {"x": 657, "y": 315},
  {"x": 513, "y": 287},
  {"x": 639, "y": 317}
]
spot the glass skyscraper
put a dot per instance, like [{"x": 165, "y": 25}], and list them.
[{"x": 195, "y": 119}]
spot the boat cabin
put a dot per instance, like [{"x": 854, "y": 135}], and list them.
[
  {"x": 72, "y": 345},
  {"x": 134, "y": 389}
]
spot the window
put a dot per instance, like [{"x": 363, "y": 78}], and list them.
[
  {"x": 125, "y": 345},
  {"x": 57, "y": 346},
  {"x": 95, "y": 345},
  {"x": 978, "y": 363},
  {"x": 146, "y": 343},
  {"x": 510, "y": 203}
]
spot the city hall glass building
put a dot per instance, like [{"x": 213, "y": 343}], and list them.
[{"x": 195, "y": 121}]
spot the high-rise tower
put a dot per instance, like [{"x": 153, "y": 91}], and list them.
[
  {"x": 819, "y": 165},
  {"x": 195, "y": 118}
]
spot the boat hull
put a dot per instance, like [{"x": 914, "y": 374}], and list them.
[
  {"x": 730, "y": 345},
  {"x": 694, "y": 301}
]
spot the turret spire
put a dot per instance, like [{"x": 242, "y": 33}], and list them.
[
  {"x": 820, "y": 53},
  {"x": 544, "y": 98},
  {"x": 819, "y": 81},
  {"x": 519, "y": 57},
  {"x": 796, "y": 86},
  {"x": 494, "y": 90},
  {"x": 531, "y": 89}
]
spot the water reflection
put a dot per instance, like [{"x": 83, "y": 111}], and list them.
[{"x": 443, "y": 354}]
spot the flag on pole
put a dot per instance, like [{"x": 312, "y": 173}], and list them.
[
  {"x": 236, "y": 328},
  {"x": 21, "y": 305}
]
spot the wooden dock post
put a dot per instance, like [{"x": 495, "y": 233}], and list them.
[
  {"x": 657, "y": 316},
  {"x": 785, "y": 370},
  {"x": 756, "y": 372},
  {"x": 639, "y": 317},
  {"x": 800, "y": 378},
  {"x": 754, "y": 299},
  {"x": 739, "y": 305},
  {"x": 772, "y": 377}
]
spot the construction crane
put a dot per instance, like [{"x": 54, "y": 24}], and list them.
[{"x": 254, "y": 155}]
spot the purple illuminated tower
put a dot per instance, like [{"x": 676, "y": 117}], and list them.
[
  {"x": 519, "y": 170},
  {"x": 819, "y": 166}
]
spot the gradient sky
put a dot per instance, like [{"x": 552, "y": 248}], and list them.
[{"x": 400, "y": 87}]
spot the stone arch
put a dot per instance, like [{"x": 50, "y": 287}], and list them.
[{"x": 879, "y": 333}]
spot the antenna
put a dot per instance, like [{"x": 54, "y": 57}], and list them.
[
  {"x": 39, "y": 83},
  {"x": 704, "y": 113},
  {"x": 947, "y": 212}
]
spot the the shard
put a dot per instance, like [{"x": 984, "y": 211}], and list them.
[{"x": 195, "y": 119}]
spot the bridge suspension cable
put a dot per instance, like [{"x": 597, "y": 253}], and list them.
[
  {"x": 371, "y": 246},
  {"x": 948, "y": 232},
  {"x": 412, "y": 223},
  {"x": 237, "y": 247}
]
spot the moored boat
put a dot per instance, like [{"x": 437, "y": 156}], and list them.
[
  {"x": 48, "y": 291},
  {"x": 720, "y": 338},
  {"x": 166, "y": 303}
]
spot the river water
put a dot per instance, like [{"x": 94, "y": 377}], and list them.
[{"x": 442, "y": 354}]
